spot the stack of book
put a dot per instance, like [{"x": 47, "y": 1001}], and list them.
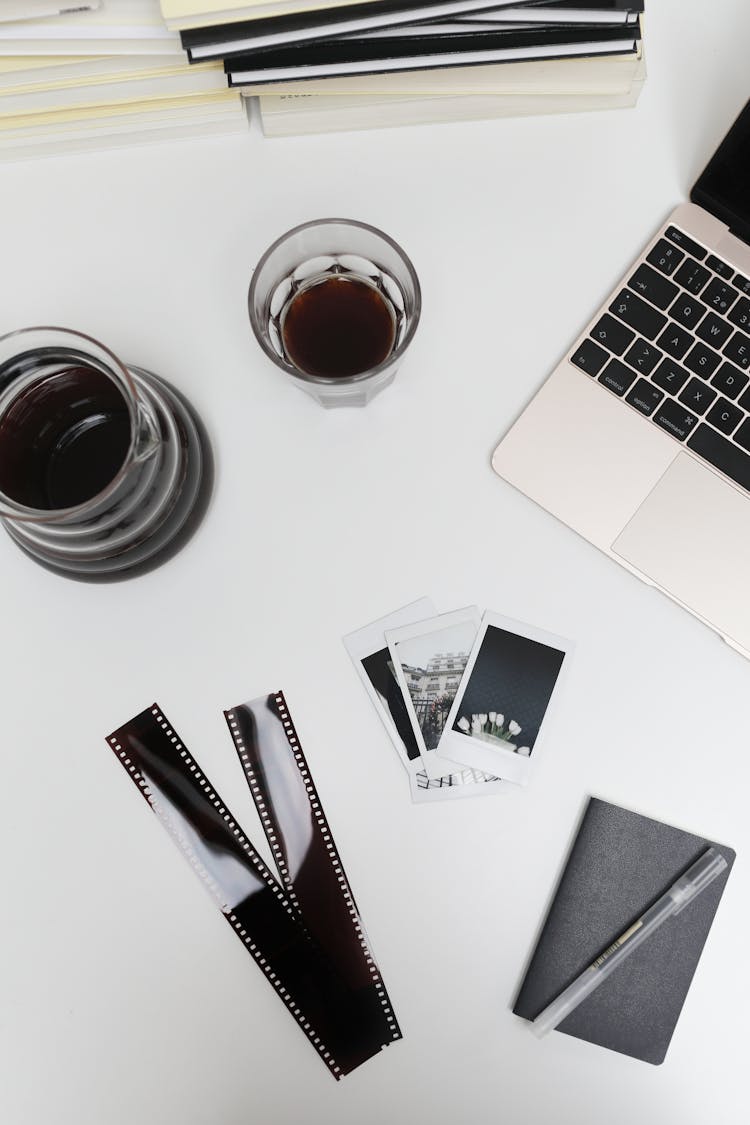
[
  {"x": 77, "y": 75},
  {"x": 321, "y": 65}
]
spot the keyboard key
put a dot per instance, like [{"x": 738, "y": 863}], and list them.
[
  {"x": 665, "y": 257},
  {"x": 670, "y": 376},
  {"x": 742, "y": 283},
  {"x": 589, "y": 357},
  {"x": 740, "y": 314},
  {"x": 714, "y": 330},
  {"x": 612, "y": 334},
  {"x": 719, "y": 295},
  {"x": 691, "y": 276},
  {"x": 617, "y": 377},
  {"x": 675, "y": 419},
  {"x": 651, "y": 285},
  {"x": 725, "y": 415},
  {"x": 718, "y": 266},
  {"x": 675, "y": 340},
  {"x": 637, "y": 314},
  {"x": 729, "y": 380},
  {"x": 697, "y": 396},
  {"x": 722, "y": 454},
  {"x": 643, "y": 357},
  {"x": 744, "y": 400},
  {"x": 743, "y": 434},
  {"x": 686, "y": 242},
  {"x": 644, "y": 397},
  {"x": 702, "y": 360},
  {"x": 687, "y": 311},
  {"x": 738, "y": 350}
]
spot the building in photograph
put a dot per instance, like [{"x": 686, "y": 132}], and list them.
[{"x": 440, "y": 677}]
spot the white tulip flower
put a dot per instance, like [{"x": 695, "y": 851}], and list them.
[
  {"x": 524, "y": 751},
  {"x": 499, "y": 719},
  {"x": 482, "y": 719},
  {"x": 464, "y": 725},
  {"x": 514, "y": 728},
  {"x": 492, "y": 716},
  {"x": 476, "y": 726}
]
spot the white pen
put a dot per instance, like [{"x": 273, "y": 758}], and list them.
[{"x": 682, "y": 891}]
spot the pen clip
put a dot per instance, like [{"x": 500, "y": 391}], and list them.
[{"x": 696, "y": 878}]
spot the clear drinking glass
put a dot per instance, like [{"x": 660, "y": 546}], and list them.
[
  {"x": 334, "y": 251},
  {"x": 105, "y": 470}
]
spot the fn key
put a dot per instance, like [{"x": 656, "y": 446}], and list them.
[{"x": 589, "y": 357}]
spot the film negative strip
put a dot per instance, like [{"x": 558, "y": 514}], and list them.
[{"x": 303, "y": 929}]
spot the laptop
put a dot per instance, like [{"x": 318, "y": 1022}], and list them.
[{"x": 640, "y": 438}]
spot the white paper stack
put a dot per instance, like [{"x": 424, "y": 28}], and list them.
[
  {"x": 324, "y": 65},
  {"x": 109, "y": 72},
  {"x": 475, "y": 93}
]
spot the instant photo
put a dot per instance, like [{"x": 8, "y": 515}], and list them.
[
  {"x": 379, "y": 670},
  {"x": 454, "y": 786},
  {"x": 495, "y": 723},
  {"x": 372, "y": 659},
  {"x": 368, "y": 649},
  {"x": 429, "y": 659}
]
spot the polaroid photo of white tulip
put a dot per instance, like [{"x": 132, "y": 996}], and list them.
[
  {"x": 371, "y": 657},
  {"x": 429, "y": 658},
  {"x": 512, "y": 676}
]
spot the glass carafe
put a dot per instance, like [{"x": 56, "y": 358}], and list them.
[{"x": 105, "y": 470}]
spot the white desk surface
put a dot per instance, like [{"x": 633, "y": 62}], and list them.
[{"x": 125, "y": 997}]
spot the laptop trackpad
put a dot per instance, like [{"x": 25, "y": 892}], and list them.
[{"x": 691, "y": 535}]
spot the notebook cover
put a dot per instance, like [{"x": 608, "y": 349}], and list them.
[
  {"x": 231, "y": 39},
  {"x": 620, "y": 863},
  {"x": 618, "y": 5},
  {"x": 605, "y": 74},
  {"x": 370, "y": 56}
]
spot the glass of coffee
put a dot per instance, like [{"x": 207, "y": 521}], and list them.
[
  {"x": 105, "y": 470},
  {"x": 335, "y": 304}
]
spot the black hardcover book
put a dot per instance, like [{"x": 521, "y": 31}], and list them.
[
  {"x": 620, "y": 863},
  {"x": 326, "y": 58},
  {"x": 614, "y": 5},
  {"x": 249, "y": 35}
]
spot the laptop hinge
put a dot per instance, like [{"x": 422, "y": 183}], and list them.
[{"x": 739, "y": 227}]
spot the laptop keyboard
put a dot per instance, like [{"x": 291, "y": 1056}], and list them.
[{"x": 675, "y": 345}]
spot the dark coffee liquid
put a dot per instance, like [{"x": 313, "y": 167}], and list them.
[
  {"x": 338, "y": 327},
  {"x": 63, "y": 439}
]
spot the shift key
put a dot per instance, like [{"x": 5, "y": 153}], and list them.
[{"x": 637, "y": 314}]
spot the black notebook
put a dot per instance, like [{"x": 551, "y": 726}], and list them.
[
  {"x": 249, "y": 35},
  {"x": 225, "y": 40},
  {"x": 331, "y": 57},
  {"x": 619, "y": 865}
]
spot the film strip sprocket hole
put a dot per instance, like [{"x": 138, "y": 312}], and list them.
[{"x": 305, "y": 931}]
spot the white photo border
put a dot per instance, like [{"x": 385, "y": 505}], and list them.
[{"x": 472, "y": 752}]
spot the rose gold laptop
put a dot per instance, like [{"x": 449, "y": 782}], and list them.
[{"x": 640, "y": 438}]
